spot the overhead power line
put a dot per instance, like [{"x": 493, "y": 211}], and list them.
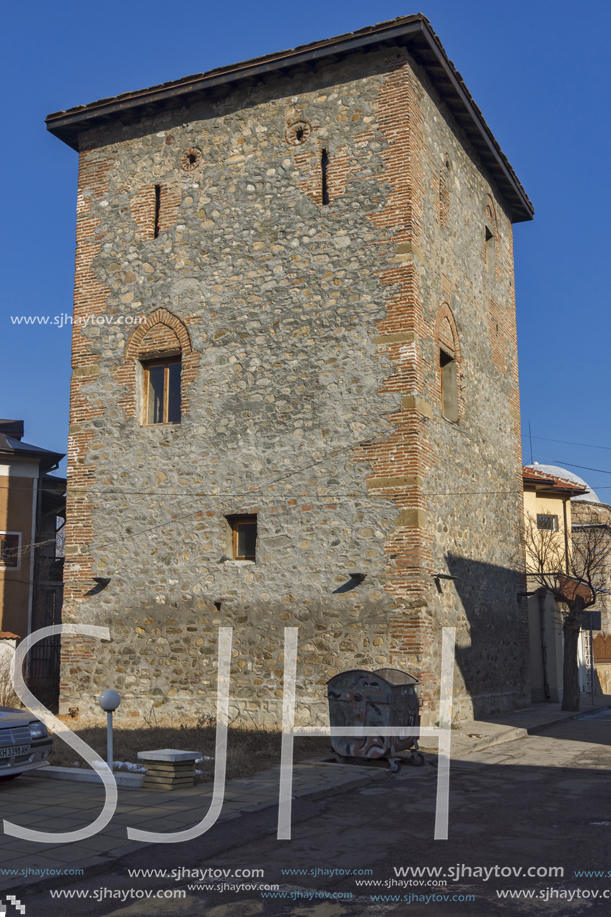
[
  {"x": 561, "y": 462},
  {"x": 567, "y": 442}
]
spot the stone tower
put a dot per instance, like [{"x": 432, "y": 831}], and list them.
[{"x": 295, "y": 386}]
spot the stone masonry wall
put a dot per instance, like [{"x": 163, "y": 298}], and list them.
[
  {"x": 309, "y": 335},
  {"x": 472, "y": 471}
]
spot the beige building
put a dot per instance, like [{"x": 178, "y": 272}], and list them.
[{"x": 559, "y": 501}]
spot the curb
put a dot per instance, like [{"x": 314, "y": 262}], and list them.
[
  {"x": 84, "y": 775},
  {"x": 580, "y": 714},
  {"x": 514, "y": 732},
  {"x": 520, "y": 732}
]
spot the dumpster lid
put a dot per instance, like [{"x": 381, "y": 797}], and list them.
[
  {"x": 351, "y": 676},
  {"x": 397, "y": 677}
]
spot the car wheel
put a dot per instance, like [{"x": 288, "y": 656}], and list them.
[{"x": 8, "y": 777}]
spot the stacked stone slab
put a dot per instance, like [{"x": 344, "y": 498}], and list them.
[{"x": 168, "y": 768}]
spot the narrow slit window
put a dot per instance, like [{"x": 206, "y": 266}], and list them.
[
  {"x": 449, "y": 386},
  {"x": 162, "y": 391},
  {"x": 324, "y": 163},
  {"x": 157, "y": 210},
  {"x": 243, "y": 536},
  {"x": 490, "y": 250}
]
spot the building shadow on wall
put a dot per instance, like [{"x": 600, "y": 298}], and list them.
[{"x": 494, "y": 663}]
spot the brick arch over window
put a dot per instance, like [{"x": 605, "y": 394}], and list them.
[
  {"x": 161, "y": 334},
  {"x": 446, "y": 332},
  {"x": 449, "y": 373}
]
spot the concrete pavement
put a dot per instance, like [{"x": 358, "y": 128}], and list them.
[
  {"x": 530, "y": 836},
  {"x": 60, "y": 806}
]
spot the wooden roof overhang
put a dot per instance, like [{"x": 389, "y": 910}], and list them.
[{"x": 414, "y": 32}]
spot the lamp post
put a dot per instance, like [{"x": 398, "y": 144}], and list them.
[{"x": 109, "y": 700}]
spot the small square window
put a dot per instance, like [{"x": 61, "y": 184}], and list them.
[
  {"x": 9, "y": 549},
  {"x": 243, "y": 536},
  {"x": 162, "y": 391},
  {"x": 547, "y": 523}
]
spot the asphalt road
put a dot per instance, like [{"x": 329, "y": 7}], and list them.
[{"x": 536, "y": 803}]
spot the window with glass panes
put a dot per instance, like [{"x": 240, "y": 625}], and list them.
[
  {"x": 243, "y": 536},
  {"x": 547, "y": 523},
  {"x": 162, "y": 391},
  {"x": 9, "y": 549}
]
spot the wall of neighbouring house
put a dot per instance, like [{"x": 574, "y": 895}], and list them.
[
  {"x": 18, "y": 482},
  {"x": 585, "y": 512},
  {"x": 602, "y": 663},
  {"x": 544, "y": 614},
  {"x": 548, "y": 504},
  {"x": 543, "y": 610}
]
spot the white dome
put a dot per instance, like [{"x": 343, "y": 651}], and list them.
[{"x": 558, "y": 472}]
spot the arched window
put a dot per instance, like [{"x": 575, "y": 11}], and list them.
[{"x": 159, "y": 348}]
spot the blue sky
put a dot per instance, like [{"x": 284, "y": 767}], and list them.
[{"x": 539, "y": 70}]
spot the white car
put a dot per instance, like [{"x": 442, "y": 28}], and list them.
[{"x": 24, "y": 742}]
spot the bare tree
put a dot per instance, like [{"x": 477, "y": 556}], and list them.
[
  {"x": 572, "y": 573},
  {"x": 8, "y": 698}
]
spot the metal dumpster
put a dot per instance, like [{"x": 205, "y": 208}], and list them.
[{"x": 387, "y": 697}]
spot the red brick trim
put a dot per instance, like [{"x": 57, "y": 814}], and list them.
[
  {"x": 443, "y": 190},
  {"x": 338, "y": 172},
  {"x": 134, "y": 348},
  {"x": 405, "y": 453},
  {"x": 142, "y": 207}
]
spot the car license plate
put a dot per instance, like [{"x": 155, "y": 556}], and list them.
[{"x": 13, "y": 751}]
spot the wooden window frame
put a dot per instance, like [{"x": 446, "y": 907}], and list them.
[
  {"x": 16, "y": 566},
  {"x": 234, "y": 521},
  {"x": 555, "y": 526},
  {"x": 166, "y": 362}
]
